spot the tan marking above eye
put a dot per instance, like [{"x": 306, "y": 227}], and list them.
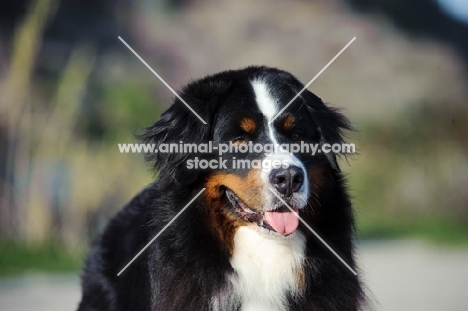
[
  {"x": 248, "y": 125},
  {"x": 288, "y": 123}
]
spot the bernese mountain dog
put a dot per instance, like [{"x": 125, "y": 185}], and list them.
[{"x": 239, "y": 245}]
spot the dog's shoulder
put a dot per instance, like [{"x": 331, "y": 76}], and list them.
[{"x": 125, "y": 234}]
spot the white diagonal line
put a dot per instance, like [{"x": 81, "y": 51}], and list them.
[
  {"x": 162, "y": 230},
  {"x": 313, "y": 79},
  {"x": 162, "y": 80},
  {"x": 315, "y": 233}
]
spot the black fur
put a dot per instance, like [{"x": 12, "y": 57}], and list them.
[{"x": 187, "y": 265}]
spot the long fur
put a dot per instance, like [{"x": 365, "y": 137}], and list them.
[{"x": 191, "y": 266}]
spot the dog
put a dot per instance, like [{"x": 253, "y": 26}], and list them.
[{"x": 246, "y": 242}]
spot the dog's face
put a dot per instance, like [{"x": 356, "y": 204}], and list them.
[{"x": 253, "y": 179}]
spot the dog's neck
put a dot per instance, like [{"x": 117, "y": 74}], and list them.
[{"x": 268, "y": 268}]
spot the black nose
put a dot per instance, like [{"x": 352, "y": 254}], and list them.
[{"x": 287, "y": 180}]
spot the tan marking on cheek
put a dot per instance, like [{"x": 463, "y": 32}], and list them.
[
  {"x": 248, "y": 189},
  {"x": 248, "y": 125},
  {"x": 222, "y": 222},
  {"x": 318, "y": 177},
  {"x": 288, "y": 123}
]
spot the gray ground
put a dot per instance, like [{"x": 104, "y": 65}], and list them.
[
  {"x": 402, "y": 276},
  {"x": 415, "y": 276}
]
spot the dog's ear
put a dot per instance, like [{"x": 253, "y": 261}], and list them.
[
  {"x": 175, "y": 125},
  {"x": 179, "y": 124},
  {"x": 330, "y": 124}
]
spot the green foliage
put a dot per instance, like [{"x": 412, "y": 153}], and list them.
[
  {"x": 126, "y": 107},
  {"x": 439, "y": 230},
  {"x": 410, "y": 177},
  {"x": 17, "y": 257}
]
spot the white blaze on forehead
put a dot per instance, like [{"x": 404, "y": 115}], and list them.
[
  {"x": 268, "y": 106},
  {"x": 265, "y": 101}
]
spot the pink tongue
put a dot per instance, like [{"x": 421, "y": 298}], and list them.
[{"x": 283, "y": 223}]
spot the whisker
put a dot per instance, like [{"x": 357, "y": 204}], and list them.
[
  {"x": 312, "y": 212},
  {"x": 318, "y": 202}
]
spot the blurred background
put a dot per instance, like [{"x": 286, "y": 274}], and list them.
[{"x": 70, "y": 91}]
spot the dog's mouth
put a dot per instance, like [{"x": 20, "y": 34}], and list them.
[{"x": 280, "y": 220}]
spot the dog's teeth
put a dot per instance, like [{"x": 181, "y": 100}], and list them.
[{"x": 248, "y": 210}]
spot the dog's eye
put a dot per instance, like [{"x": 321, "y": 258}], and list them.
[
  {"x": 295, "y": 136},
  {"x": 240, "y": 141}
]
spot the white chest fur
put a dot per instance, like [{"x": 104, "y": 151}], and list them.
[{"x": 267, "y": 268}]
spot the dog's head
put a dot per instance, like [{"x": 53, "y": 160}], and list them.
[{"x": 259, "y": 180}]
